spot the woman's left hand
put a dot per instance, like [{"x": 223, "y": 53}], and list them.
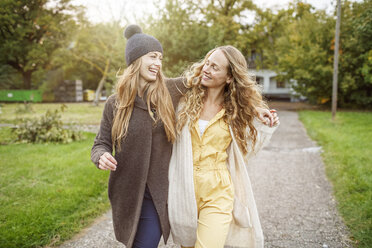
[
  {"x": 275, "y": 117},
  {"x": 268, "y": 117}
]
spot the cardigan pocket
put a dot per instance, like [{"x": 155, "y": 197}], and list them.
[{"x": 241, "y": 214}]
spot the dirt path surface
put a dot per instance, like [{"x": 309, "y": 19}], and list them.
[{"x": 293, "y": 196}]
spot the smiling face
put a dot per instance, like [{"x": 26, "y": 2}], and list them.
[
  {"x": 150, "y": 66},
  {"x": 215, "y": 72}
]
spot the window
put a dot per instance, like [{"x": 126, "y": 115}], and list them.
[
  {"x": 280, "y": 84},
  {"x": 259, "y": 80}
]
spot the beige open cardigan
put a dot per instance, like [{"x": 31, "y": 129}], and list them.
[{"x": 245, "y": 229}]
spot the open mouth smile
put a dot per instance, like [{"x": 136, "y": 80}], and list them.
[{"x": 154, "y": 71}]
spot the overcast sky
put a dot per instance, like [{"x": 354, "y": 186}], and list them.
[{"x": 104, "y": 10}]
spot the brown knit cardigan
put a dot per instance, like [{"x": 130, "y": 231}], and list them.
[{"x": 143, "y": 159}]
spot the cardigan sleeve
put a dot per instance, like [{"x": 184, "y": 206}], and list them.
[
  {"x": 102, "y": 142},
  {"x": 264, "y": 133},
  {"x": 177, "y": 88}
]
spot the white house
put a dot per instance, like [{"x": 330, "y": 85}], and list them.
[{"x": 273, "y": 88}]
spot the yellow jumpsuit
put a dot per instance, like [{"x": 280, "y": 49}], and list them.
[{"x": 214, "y": 190}]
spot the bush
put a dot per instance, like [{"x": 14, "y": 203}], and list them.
[{"x": 44, "y": 129}]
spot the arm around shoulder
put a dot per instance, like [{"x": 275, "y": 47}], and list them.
[{"x": 176, "y": 86}]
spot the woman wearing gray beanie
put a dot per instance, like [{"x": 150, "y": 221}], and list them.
[{"x": 138, "y": 124}]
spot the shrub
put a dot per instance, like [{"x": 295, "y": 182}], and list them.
[{"x": 44, "y": 129}]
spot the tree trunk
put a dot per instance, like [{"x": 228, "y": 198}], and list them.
[
  {"x": 101, "y": 82},
  {"x": 27, "y": 80}
]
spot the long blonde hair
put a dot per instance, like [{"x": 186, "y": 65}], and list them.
[
  {"x": 241, "y": 97},
  {"x": 158, "y": 97}
]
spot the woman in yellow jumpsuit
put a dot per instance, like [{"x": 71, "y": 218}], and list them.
[{"x": 219, "y": 107}]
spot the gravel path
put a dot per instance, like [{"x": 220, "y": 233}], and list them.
[{"x": 293, "y": 196}]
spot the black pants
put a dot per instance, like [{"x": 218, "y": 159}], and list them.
[{"x": 149, "y": 230}]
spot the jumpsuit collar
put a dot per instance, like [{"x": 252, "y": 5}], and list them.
[{"x": 218, "y": 116}]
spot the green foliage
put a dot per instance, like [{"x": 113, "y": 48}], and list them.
[
  {"x": 347, "y": 144},
  {"x": 47, "y": 128},
  {"x": 264, "y": 34},
  {"x": 355, "y": 66},
  {"x": 92, "y": 48},
  {"x": 180, "y": 37},
  {"x": 226, "y": 21},
  {"x": 30, "y": 32},
  {"x": 303, "y": 54},
  {"x": 189, "y": 29},
  {"x": 305, "y": 50},
  {"x": 10, "y": 78}
]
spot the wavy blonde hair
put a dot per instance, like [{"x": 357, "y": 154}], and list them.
[
  {"x": 158, "y": 97},
  {"x": 241, "y": 97}
]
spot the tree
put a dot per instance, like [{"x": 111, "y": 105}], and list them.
[
  {"x": 264, "y": 33},
  {"x": 189, "y": 29},
  {"x": 94, "y": 55},
  {"x": 303, "y": 53},
  {"x": 355, "y": 69},
  {"x": 97, "y": 51},
  {"x": 226, "y": 20},
  {"x": 183, "y": 38},
  {"x": 30, "y": 32}
]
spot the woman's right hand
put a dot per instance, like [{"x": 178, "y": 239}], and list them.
[{"x": 107, "y": 162}]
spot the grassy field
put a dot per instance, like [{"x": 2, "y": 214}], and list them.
[
  {"x": 48, "y": 192},
  {"x": 347, "y": 145},
  {"x": 81, "y": 113}
]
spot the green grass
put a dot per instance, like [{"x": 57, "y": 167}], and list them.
[
  {"x": 82, "y": 113},
  {"x": 48, "y": 192},
  {"x": 347, "y": 144}
]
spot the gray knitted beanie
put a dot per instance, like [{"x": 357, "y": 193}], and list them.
[{"x": 139, "y": 44}]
